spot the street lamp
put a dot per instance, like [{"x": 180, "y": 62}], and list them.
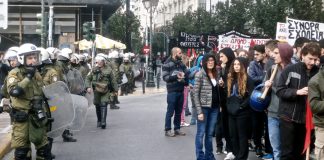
[{"x": 150, "y": 6}]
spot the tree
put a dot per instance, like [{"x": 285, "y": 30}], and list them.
[
  {"x": 220, "y": 16},
  {"x": 306, "y": 9},
  {"x": 203, "y": 21},
  {"x": 266, "y": 14},
  {"x": 183, "y": 23},
  {"x": 115, "y": 28}
]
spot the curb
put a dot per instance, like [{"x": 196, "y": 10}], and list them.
[
  {"x": 5, "y": 144},
  {"x": 148, "y": 92}
]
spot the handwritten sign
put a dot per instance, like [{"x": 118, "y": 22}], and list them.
[
  {"x": 282, "y": 32},
  {"x": 189, "y": 41},
  {"x": 308, "y": 29}
]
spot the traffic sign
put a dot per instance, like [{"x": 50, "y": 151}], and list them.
[{"x": 146, "y": 49}]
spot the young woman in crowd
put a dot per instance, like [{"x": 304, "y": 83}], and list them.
[
  {"x": 238, "y": 108},
  {"x": 207, "y": 99}
]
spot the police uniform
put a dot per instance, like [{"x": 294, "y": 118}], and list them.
[
  {"x": 84, "y": 69},
  {"x": 128, "y": 70},
  {"x": 62, "y": 69},
  {"x": 49, "y": 74},
  {"x": 103, "y": 83},
  {"x": 27, "y": 102}
]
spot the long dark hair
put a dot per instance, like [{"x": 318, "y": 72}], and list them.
[
  {"x": 205, "y": 61},
  {"x": 241, "y": 78}
]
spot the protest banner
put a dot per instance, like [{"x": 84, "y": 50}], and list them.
[
  {"x": 308, "y": 29},
  {"x": 189, "y": 41},
  {"x": 282, "y": 32},
  {"x": 236, "y": 42}
]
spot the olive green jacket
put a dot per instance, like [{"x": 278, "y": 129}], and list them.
[
  {"x": 50, "y": 75},
  {"x": 32, "y": 88},
  {"x": 316, "y": 97},
  {"x": 106, "y": 76}
]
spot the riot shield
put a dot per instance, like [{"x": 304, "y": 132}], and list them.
[
  {"x": 136, "y": 69},
  {"x": 75, "y": 82},
  {"x": 81, "y": 108},
  {"x": 60, "y": 104}
]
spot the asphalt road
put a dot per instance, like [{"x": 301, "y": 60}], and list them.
[{"x": 135, "y": 132}]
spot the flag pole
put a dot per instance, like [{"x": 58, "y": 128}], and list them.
[{"x": 307, "y": 153}]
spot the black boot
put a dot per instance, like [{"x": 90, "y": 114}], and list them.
[
  {"x": 22, "y": 154},
  {"x": 103, "y": 116},
  {"x": 50, "y": 144},
  {"x": 67, "y": 136},
  {"x": 113, "y": 106},
  {"x": 98, "y": 112},
  {"x": 116, "y": 99},
  {"x": 44, "y": 153}
]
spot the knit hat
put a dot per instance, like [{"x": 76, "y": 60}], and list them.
[{"x": 286, "y": 52}]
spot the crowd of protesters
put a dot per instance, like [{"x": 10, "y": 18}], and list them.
[{"x": 220, "y": 86}]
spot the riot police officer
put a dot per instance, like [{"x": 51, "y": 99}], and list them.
[
  {"x": 47, "y": 70},
  {"x": 101, "y": 81},
  {"x": 75, "y": 61},
  {"x": 9, "y": 62},
  {"x": 113, "y": 59},
  {"x": 126, "y": 68},
  {"x": 63, "y": 62},
  {"x": 29, "y": 119},
  {"x": 84, "y": 68},
  {"x": 50, "y": 76},
  {"x": 62, "y": 67}
]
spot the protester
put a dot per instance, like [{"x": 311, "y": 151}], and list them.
[
  {"x": 175, "y": 74},
  {"x": 192, "y": 74},
  {"x": 298, "y": 45},
  {"x": 238, "y": 109},
  {"x": 207, "y": 93},
  {"x": 293, "y": 91},
  {"x": 282, "y": 57},
  {"x": 315, "y": 98},
  {"x": 226, "y": 57}
]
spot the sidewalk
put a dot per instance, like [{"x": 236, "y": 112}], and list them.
[
  {"x": 5, "y": 134},
  {"x": 148, "y": 90}
]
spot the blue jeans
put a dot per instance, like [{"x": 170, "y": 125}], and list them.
[
  {"x": 274, "y": 135},
  {"x": 206, "y": 128},
  {"x": 175, "y": 101}
]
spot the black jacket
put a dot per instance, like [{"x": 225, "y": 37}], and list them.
[
  {"x": 292, "y": 107},
  {"x": 169, "y": 75}
]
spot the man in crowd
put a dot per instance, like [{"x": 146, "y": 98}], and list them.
[
  {"x": 298, "y": 45},
  {"x": 315, "y": 98},
  {"x": 292, "y": 90},
  {"x": 175, "y": 74}
]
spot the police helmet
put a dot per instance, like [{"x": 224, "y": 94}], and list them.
[
  {"x": 26, "y": 50},
  {"x": 65, "y": 54},
  {"x": 45, "y": 56},
  {"x": 54, "y": 52}
]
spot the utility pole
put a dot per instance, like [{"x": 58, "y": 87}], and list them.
[
  {"x": 128, "y": 27},
  {"x": 50, "y": 26},
  {"x": 42, "y": 21}
]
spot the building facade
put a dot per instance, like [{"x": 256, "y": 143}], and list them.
[{"x": 69, "y": 15}]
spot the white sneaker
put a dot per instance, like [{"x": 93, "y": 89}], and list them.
[
  {"x": 229, "y": 156},
  {"x": 184, "y": 124}
]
